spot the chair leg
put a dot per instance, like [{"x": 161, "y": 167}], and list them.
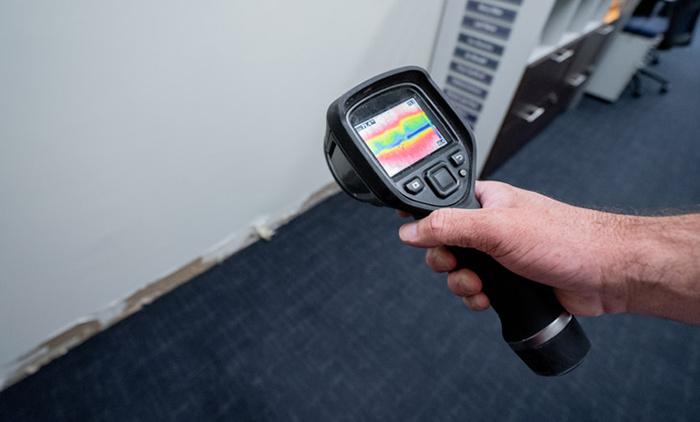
[
  {"x": 654, "y": 57},
  {"x": 636, "y": 85},
  {"x": 655, "y": 76}
]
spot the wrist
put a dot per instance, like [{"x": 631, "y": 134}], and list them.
[
  {"x": 614, "y": 257},
  {"x": 656, "y": 269}
]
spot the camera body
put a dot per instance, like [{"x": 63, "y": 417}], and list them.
[{"x": 396, "y": 141}]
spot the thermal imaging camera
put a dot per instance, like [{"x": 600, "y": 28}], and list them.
[{"x": 395, "y": 141}]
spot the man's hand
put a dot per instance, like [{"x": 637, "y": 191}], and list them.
[{"x": 596, "y": 262}]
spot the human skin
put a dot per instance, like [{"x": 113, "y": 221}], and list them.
[{"x": 597, "y": 262}]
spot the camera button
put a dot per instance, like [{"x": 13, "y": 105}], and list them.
[
  {"x": 414, "y": 186},
  {"x": 457, "y": 158},
  {"x": 442, "y": 181}
]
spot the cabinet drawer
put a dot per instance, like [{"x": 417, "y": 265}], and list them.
[
  {"x": 520, "y": 129},
  {"x": 545, "y": 90},
  {"x": 538, "y": 86},
  {"x": 587, "y": 52}
]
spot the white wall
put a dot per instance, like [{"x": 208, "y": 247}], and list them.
[{"x": 135, "y": 135}]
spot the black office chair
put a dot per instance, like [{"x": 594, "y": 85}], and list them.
[{"x": 673, "y": 20}]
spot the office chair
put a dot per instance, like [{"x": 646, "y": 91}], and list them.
[{"x": 673, "y": 21}]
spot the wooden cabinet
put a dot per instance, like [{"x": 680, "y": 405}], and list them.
[
  {"x": 587, "y": 53},
  {"x": 546, "y": 89}
]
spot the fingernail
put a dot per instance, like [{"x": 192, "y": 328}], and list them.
[{"x": 409, "y": 232}]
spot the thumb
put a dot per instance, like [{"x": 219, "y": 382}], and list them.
[{"x": 443, "y": 227}]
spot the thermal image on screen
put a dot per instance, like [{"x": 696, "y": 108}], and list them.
[{"x": 400, "y": 136}]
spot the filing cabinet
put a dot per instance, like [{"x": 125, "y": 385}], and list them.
[{"x": 546, "y": 89}]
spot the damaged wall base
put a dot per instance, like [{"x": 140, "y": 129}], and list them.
[{"x": 60, "y": 344}]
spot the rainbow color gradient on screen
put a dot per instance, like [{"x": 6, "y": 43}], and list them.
[{"x": 400, "y": 136}]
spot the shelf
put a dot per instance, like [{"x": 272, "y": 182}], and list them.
[
  {"x": 559, "y": 21},
  {"x": 584, "y": 15},
  {"x": 569, "y": 21}
]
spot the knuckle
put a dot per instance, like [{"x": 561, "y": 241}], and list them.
[
  {"x": 495, "y": 226},
  {"x": 438, "y": 223},
  {"x": 453, "y": 284},
  {"x": 436, "y": 259},
  {"x": 464, "y": 282},
  {"x": 430, "y": 258}
]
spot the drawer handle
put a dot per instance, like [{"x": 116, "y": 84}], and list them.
[
  {"x": 577, "y": 80},
  {"x": 532, "y": 115},
  {"x": 607, "y": 29},
  {"x": 563, "y": 56}
]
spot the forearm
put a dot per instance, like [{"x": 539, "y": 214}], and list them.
[{"x": 659, "y": 266}]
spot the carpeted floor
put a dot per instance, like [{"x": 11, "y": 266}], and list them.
[{"x": 335, "y": 319}]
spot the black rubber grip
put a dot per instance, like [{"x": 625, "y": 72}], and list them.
[{"x": 524, "y": 307}]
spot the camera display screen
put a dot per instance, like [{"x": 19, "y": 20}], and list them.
[{"x": 400, "y": 136}]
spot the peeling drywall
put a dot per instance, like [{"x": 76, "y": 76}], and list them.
[{"x": 262, "y": 229}]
